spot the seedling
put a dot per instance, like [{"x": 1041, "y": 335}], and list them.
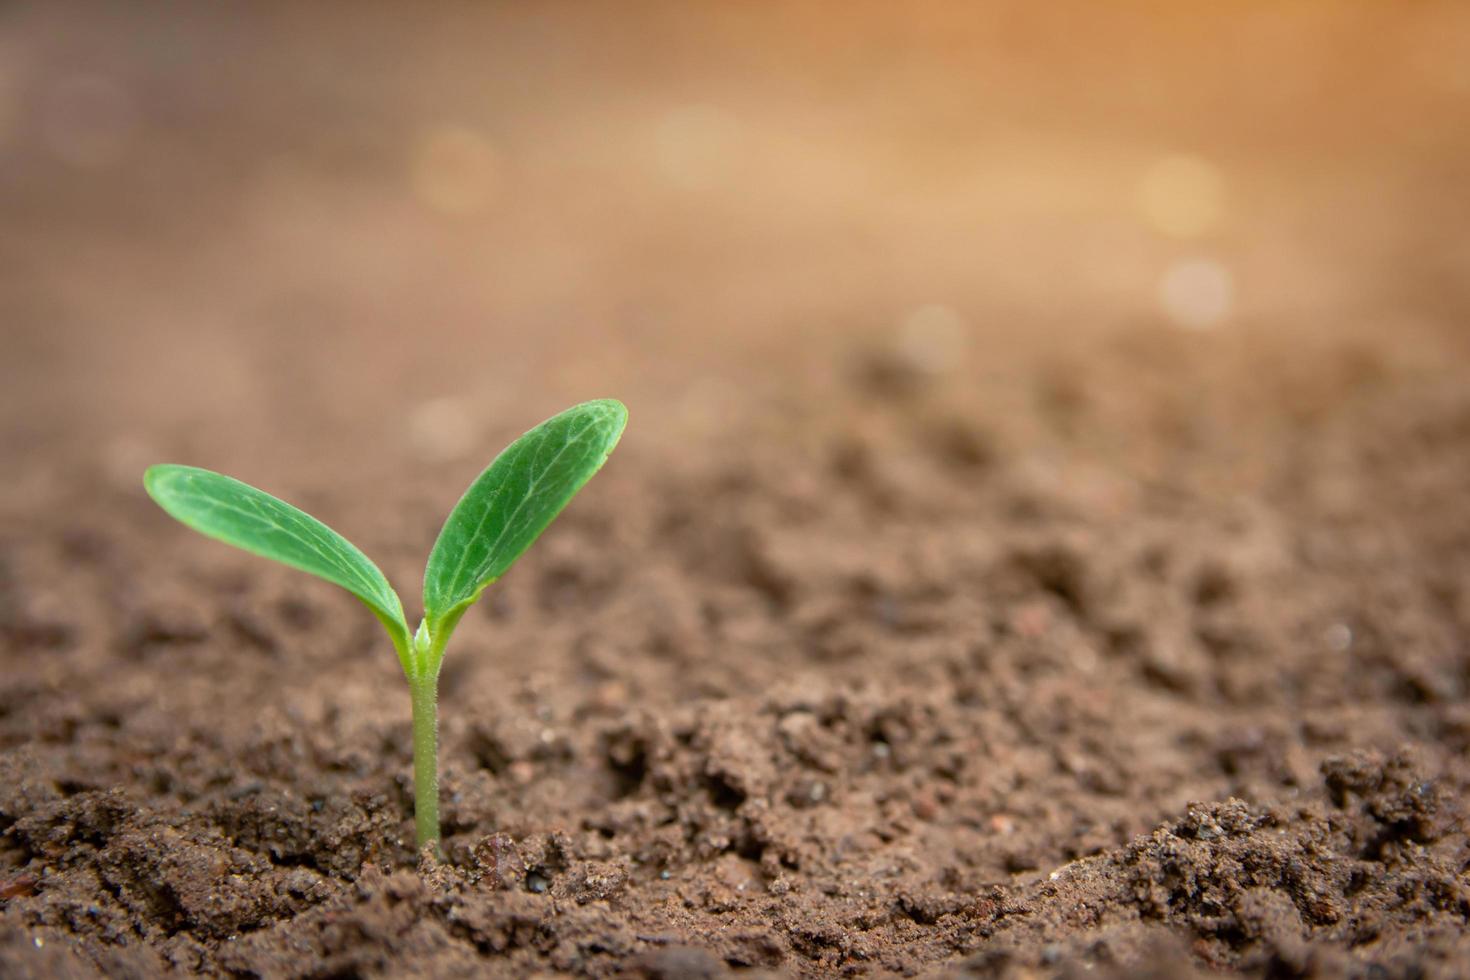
[{"x": 497, "y": 519}]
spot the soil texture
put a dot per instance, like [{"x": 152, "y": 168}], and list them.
[{"x": 938, "y": 616}]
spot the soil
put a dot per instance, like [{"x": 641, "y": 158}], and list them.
[{"x": 1057, "y": 639}]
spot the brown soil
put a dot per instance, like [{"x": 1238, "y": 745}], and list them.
[{"x": 1068, "y": 643}]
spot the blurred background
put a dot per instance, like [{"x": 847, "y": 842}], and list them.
[{"x": 342, "y": 232}]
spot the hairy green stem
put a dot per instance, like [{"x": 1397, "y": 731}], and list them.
[{"x": 425, "y": 691}]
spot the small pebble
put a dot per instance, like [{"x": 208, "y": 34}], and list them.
[
  {"x": 924, "y": 805},
  {"x": 612, "y": 694}
]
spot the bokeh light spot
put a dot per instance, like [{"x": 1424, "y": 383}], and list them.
[
  {"x": 88, "y": 122},
  {"x": 932, "y": 338},
  {"x": 456, "y": 171},
  {"x": 696, "y": 146},
  {"x": 441, "y": 429},
  {"x": 1183, "y": 196},
  {"x": 1197, "y": 293},
  {"x": 11, "y": 66}
]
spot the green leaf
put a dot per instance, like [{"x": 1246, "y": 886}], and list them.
[
  {"x": 238, "y": 514},
  {"x": 512, "y": 502}
]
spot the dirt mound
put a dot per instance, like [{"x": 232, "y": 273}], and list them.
[
  {"x": 886, "y": 711},
  {"x": 1040, "y": 546}
]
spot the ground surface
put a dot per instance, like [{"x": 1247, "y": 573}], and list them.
[{"x": 951, "y": 608}]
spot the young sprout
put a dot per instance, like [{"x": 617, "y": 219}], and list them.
[{"x": 497, "y": 519}]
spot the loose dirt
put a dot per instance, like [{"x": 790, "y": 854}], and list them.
[{"x": 1067, "y": 641}]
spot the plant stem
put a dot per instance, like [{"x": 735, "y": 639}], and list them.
[{"x": 425, "y": 691}]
